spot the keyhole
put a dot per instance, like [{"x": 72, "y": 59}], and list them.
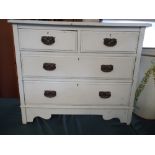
[
  {"x": 47, "y": 32},
  {"x": 77, "y": 84},
  {"x": 78, "y": 59}
]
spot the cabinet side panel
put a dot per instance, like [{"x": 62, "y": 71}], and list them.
[
  {"x": 19, "y": 72},
  {"x": 136, "y": 71}
]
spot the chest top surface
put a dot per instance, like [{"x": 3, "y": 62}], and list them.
[{"x": 80, "y": 24}]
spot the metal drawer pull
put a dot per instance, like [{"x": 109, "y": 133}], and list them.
[
  {"x": 49, "y": 93},
  {"x": 49, "y": 66},
  {"x": 48, "y": 40},
  {"x": 105, "y": 94},
  {"x": 107, "y": 68},
  {"x": 110, "y": 42}
]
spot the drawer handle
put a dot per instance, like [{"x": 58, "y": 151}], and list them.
[
  {"x": 49, "y": 66},
  {"x": 110, "y": 42},
  {"x": 49, "y": 93},
  {"x": 48, "y": 40},
  {"x": 105, "y": 94},
  {"x": 107, "y": 68}
]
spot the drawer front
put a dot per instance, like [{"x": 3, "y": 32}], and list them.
[
  {"x": 47, "y": 39},
  {"x": 74, "y": 66},
  {"x": 72, "y": 93},
  {"x": 109, "y": 41}
]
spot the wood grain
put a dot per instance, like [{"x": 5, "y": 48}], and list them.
[{"x": 8, "y": 76}]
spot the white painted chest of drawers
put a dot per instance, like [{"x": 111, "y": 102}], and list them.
[{"x": 77, "y": 68}]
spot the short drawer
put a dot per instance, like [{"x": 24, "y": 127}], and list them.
[
  {"x": 93, "y": 41},
  {"x": 74, "y": 66},
  {"x": 76, "y": 93},
  {"x": 47, "y": 39}
]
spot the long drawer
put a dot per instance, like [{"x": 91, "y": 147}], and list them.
[
  {"x": 48, "y": 39},
  {"x": 76, "y": 93},
  {"x": 97, "y": 41},
  {"x": 74, "y": 66}
]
